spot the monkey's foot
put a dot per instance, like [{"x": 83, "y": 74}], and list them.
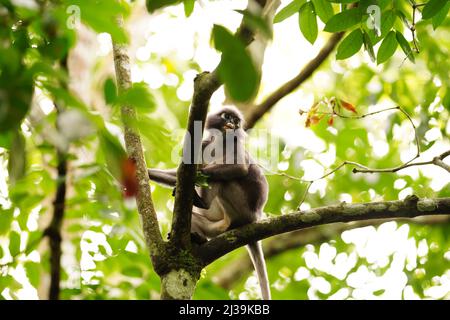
[{"x": 198, "y": 239}]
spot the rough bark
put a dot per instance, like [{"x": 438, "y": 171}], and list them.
[
  {"x": 134, "y": 148},
  {"x": 205, "y": 85},
  {"x": 409, "y": 208},
  {"x": 241, "y": 266},
  {"x": 53, "y": 231},
  {"x": 178, "y": 285}
]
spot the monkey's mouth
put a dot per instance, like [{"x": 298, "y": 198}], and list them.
[{"x": 229, "y": 125}]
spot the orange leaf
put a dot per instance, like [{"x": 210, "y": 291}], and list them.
[
  {"x": 307, "y": 122},
  {"x": 348, "y": 106},
  {"x": 331, "y": 121},
  {"x": 313, "y": 119}
]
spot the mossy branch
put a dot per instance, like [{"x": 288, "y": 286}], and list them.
[
  {"x": 408, "y": 208},
  {"x": 134, "y": 148}
]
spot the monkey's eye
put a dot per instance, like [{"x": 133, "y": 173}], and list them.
[{"x": 224, "y": 116}]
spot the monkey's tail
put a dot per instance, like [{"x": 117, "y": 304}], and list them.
[{"x": 257, "y": 257}]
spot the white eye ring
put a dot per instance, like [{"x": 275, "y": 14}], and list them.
[{"x": 223, "y": 116}]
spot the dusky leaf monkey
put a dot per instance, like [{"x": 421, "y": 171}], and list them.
[{"x": 237, "y": 188}]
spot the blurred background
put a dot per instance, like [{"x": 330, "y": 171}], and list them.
[{"x": 103, "y": 251}]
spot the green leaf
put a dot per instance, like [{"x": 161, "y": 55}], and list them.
[
  {"x": 236, "y": 68},
  {"x": 387, "y": 22},
  {"x": 256, "y": 23},
  {"x": 323, "y": 9},
  {"x": 135, "y": 272},
  {"x": 387, "y": 48},
  {"x": 65, "y": 96},
  {"x": 288, "y": 11},
  {"x": 153, "y": 5},
  {"x": 188, "y": 7},
  {"x": 114, "y": 154},
  {"x": 32, "y": 271},
  {"x": 343, "y": 20},
  {"x": 6, "y": 217},
  {"x": 100, "y": 16},
  {"x": 308, "y": 22},
  {"x": 34, "y": 238},
  {"x": 439, "y": 18},
  {"x": 6, "y": 139},
  {"x": 350, "y": 45},
  {"x": 343, "y": 1},
  {"x": 368, "y": 46},
  {"x": 110, "y": 91},
  {"x": 14, "y": 243},
  {"x": 432, "y": 8},
  {"x": 17, "y": 158},
  {"x": 139, "y": 97},
  {"x": 446, "y": 99},
  {"x": 405, "y": 46}
]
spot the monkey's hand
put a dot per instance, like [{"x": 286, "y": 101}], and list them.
[{"x": 198, "y": 201}]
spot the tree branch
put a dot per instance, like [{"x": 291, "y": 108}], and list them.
[
  {"x": 205, "y": 85},
  {"x": 241, "y": 266},
  {"x": 409, "y": 208},
  {"x": 259, "y": 110},
  {"x": 53, "y": 231},
  {"x": 134, "y": 148}
]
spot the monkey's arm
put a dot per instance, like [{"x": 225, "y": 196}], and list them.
[
  {"x": 225, "y": 171},
  {"x": 169, "y": 179},
  {"x": 164, "y": 177}
]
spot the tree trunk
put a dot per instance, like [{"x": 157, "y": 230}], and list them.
[{"x": 178, "y": 285}]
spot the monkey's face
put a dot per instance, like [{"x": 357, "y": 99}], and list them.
[{"x": 224, "y": 120}]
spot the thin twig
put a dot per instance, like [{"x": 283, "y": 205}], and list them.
[
  {"x": 53, "y": 231},
  {"x": 257, "y": 112},
  {"x": 360, "y": 168}
]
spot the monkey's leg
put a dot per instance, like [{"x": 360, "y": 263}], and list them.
[{"x": 206, "y": 228}]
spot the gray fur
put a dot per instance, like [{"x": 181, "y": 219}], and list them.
[{"x": 236, "y": 192}]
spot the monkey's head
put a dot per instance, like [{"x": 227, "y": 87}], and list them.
[{"x": 227, "y": 118}]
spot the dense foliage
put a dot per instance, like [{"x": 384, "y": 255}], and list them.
[{"x": 404, "y": 62}]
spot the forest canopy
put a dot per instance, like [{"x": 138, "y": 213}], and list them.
[{"x": 346, "y": 106}]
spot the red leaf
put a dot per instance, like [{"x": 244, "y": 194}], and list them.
[
  {"x": 313, "y": 119},
  {"x": 308, "y": 122},
  {"x": 331, "y": 121},
  {"x": 348, "y": 106},
  {"x": 129, "y": 180}
]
